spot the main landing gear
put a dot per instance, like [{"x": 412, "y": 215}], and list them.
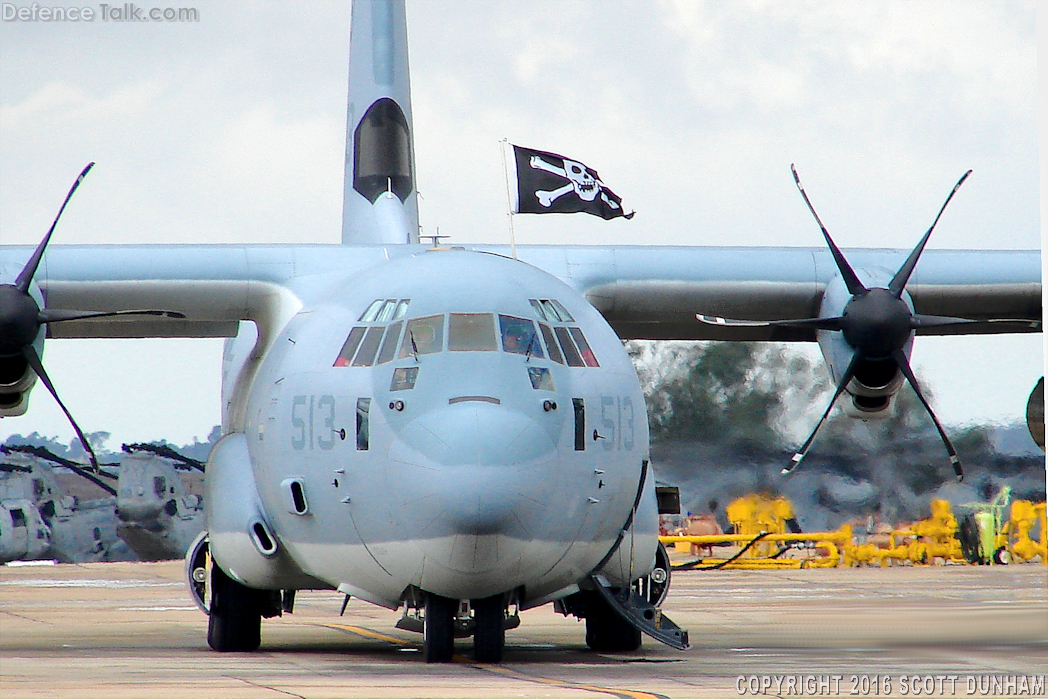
[
  {"x": 234, "y": 621},
  {"x": 438, "y": 635},
  {"x": 441, "y": 624}
]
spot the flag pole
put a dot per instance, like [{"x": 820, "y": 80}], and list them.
[{"x": 509, "y": 199}]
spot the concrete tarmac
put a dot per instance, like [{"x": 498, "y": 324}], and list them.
[{"x": 117, "y": 630}]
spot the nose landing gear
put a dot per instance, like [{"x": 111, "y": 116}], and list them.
[{"x": 445, "y": 619}]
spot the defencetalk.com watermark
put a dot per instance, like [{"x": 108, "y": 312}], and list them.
[{"x": 125, "y": 12}]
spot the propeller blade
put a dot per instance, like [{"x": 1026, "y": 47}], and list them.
[
  {"x": 29, "y": 271},
  {"x": 817, "y": 323},
  {"x": 918, "y": 321},
  {"x": 58, "y": 316},
  {"x": 803, "y": 451},
  {"x": 851, "y": 280},
  {"x": 34, "y": 361},
  {"x": 898, "y": 282},
  {"x": 904, "y": 365}
]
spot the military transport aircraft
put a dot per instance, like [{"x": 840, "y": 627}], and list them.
[{"x": 459, "y": 432}]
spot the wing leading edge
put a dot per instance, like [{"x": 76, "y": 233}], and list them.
[{"x": 644, "y": 292}]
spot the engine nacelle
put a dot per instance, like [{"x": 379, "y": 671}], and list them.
[
  {"x": 16, "y": 381},
  {"x": 871, "y": 393}
]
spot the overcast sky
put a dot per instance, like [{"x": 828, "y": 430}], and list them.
[{"x": 232, "y": 129}]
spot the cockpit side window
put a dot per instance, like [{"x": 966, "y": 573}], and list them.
[
  {"x": 519, "y": 337},
  {"x": 570, "y": 353},
  {"x": 584, "y": 348},
  {"x": 368, "y": 348},
  {"x": 471, "y": 332},
  {"x": 423, "y": 336},
  {"x": 349, "y": 348},
  {"x": 389, "y": 345},
  {"x": 551, "y": 343}
]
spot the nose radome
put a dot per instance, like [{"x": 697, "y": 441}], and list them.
[{"x": 476, "y": 461}]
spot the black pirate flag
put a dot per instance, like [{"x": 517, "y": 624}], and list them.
[{"x": 548, "y": 183}]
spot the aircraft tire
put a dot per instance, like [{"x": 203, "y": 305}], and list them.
[
  {"x": 489, "y": 631},
  {"x": 438, "y": 636},
  {"x": 235, "y": 621},
  {"x": 606, "y": 629}
]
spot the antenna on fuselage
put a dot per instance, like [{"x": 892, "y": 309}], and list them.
[{"x": 435, "y": 240}]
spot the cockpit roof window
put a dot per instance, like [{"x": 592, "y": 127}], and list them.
[
  {"x": 385, "y": 313},
  {"x": 562, "y": 312},
  {"x": 423, "y": 336},
  {"x": 385, "y": 310},
  {"x": 551, "y": 310},
  {"x": 471, "y": 332},
  {"x": 519, "y": 337},
  {"x": 372, "y": 311}
]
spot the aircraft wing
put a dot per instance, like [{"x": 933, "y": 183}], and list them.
[{"x": 645, "y": 292}]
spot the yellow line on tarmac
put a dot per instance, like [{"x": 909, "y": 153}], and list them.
[{"x": 501, "y": 669}]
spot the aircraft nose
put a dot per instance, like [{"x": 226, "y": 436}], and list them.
[{"x": 475, "y": 464}]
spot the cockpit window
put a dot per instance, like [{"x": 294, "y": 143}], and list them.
[
  {"x": 518, "y": 336},
  {"x": 372, "y": 311},
  {"x": 385, "y": 313},
  {"x": 561, "y": 311},
  {"x": 404, "y": 378},
  {"x": 540, "y": 378},
  {"x": 551, "y": 310},
  {"x": 570, "y": 353},
  {"x": 551, "y": 343},
  {"x": 584, "y": 348},
  {"x": 471, "y": 332},
  {"x": 349, "y": 348},
  {"x": 385, "y": 310},
  {"x": 368, "y": 348},
  {"x": 423, "y": 336},
  {"x": 389, "y": 345}
]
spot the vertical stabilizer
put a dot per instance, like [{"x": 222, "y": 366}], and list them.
[{"x": 379, "y": 202}]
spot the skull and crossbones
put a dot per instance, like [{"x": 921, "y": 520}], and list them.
[{"x": 585, "y": 185}]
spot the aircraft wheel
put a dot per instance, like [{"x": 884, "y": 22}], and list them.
[
  {"x": 438, "y": 636},
  {"x": 606, "y": 630},
  {"x": 235, "y": 621},
  {"x": 489, "y": 631},
  {"x": 1002, "y": 556}
]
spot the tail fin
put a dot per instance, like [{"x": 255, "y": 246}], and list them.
[{"x": 379, "y": 202}]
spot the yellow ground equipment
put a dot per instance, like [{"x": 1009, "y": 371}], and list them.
[
  {"x": 1025, "y": 516},
  {"x": 761, "y": 539},
  {"x": 760, "y": 531},
  {"x": 922, "y": 542}
]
